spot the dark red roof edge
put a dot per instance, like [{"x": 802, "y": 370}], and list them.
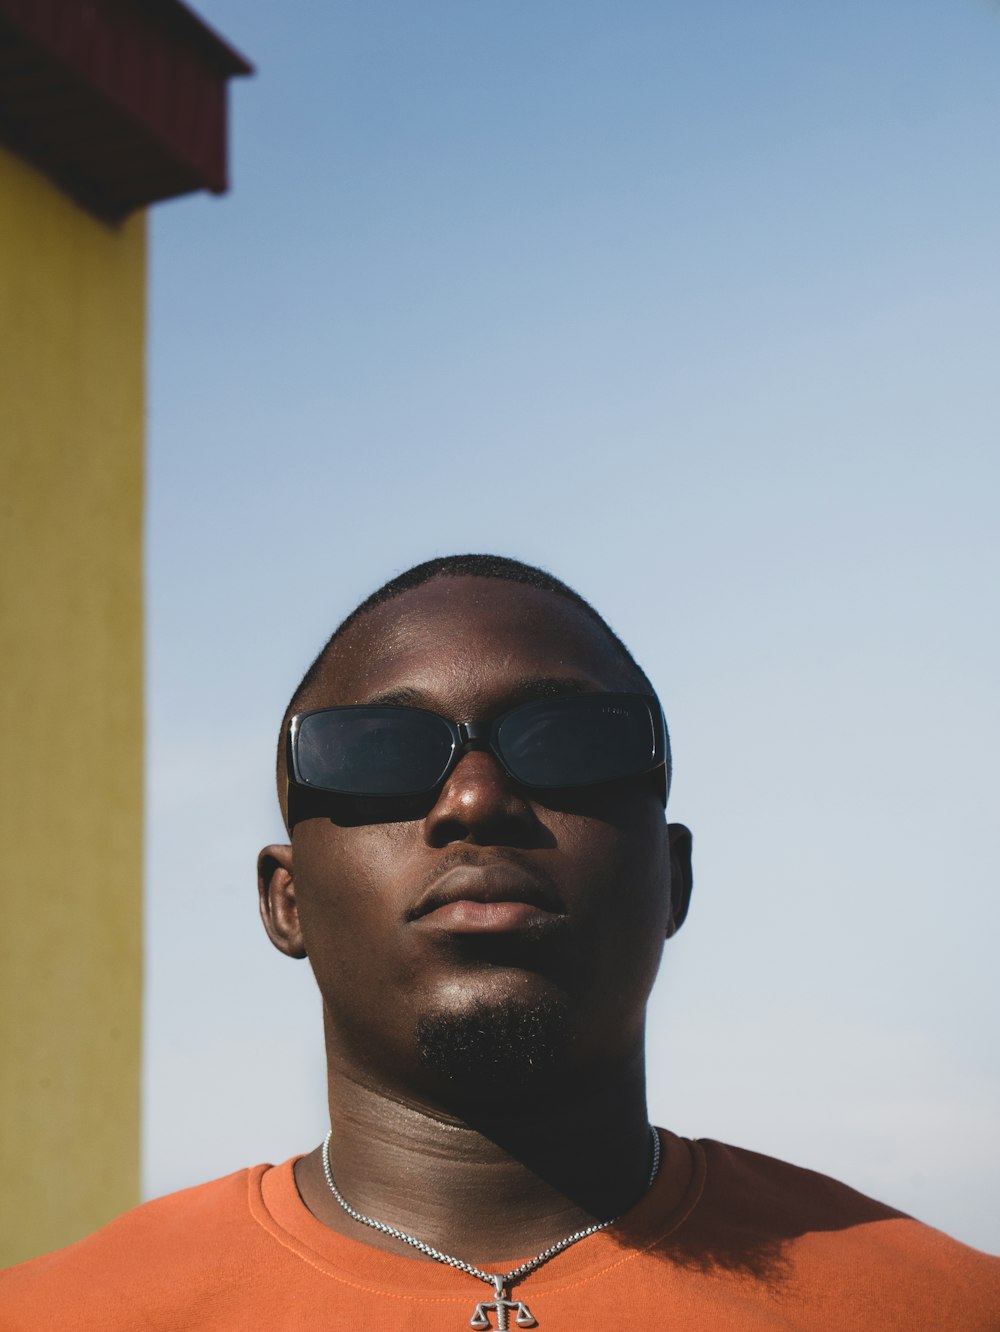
[
  {"x": 121, "y": 102},
  {"x": 185, "y": 22}
]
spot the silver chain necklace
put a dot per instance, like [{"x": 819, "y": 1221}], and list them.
[{"x": 501, "y": 1303}]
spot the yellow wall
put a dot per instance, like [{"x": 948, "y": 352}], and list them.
[{"x": 72, "y": 296}]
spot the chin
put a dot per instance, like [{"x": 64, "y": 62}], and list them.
[{"x": 517, "y": 1043}]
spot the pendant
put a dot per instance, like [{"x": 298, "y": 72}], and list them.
[{"x": 502, "y": 1307}]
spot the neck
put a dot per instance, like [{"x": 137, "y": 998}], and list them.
[{"x": 487, "y": 1184}]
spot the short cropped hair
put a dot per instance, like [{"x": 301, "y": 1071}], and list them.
[{"x": 463, "y": 566}]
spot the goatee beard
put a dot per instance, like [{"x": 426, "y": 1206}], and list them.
[{"x": 489, "y": 1047}]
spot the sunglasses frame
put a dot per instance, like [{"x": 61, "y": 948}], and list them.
[{"x": 481, "y": 735}]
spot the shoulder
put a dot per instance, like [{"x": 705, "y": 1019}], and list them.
[
  {"x": 763, "y": 1193},
  {"x": 781, "y": 1195},
  {"x": 789, "y": 1226},
  {"x": 149, "y": 1258}
]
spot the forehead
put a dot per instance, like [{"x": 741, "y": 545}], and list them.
[{"x": 469, "y": 642}]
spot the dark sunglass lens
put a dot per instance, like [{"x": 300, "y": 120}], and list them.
[
  {"x": 578, "y": 741},
  {"x": 373, "y": 751}
]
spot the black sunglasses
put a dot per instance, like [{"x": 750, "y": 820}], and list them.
[{"x": 551, "y": 743}]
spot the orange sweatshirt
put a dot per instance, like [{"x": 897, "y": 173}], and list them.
[{"x": 725, "y": 1241}]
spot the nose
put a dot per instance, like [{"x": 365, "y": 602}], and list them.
[{"x": 479, "y": 803}]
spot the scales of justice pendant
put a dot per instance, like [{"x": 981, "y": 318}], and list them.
[{"x": 503, "y": 1307}]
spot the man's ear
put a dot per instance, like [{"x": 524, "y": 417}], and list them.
[
  {"x": 681, "y": 875},
  {"x": 278, "y": 908}
]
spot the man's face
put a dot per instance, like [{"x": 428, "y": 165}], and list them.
[{"x": 400, "y": 917}]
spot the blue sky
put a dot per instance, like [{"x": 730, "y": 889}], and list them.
[{"x": 696, "y": 305}]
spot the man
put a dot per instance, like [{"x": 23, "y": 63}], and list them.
[{"x": 473, "y": 775}]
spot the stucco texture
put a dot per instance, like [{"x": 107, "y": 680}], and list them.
[{"x": 72, "y": 294}]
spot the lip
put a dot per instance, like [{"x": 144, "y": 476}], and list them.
[{"x": 487, "y": 899}]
